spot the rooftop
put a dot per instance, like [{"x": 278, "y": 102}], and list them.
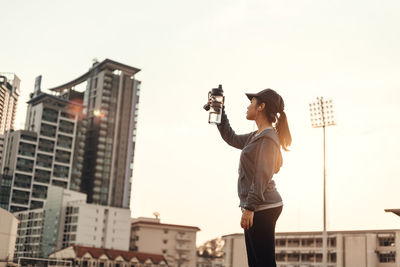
[
  {"x": 156, "y": 222},
  {"x": 112, "y": 254},
  {"x": 105, "y": 64}
]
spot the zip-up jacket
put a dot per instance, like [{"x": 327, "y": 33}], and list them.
[{"x": 260, "y": 159}]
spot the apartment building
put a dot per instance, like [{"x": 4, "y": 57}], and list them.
[
  {"x": 40, "y": 155},
  {"x": 30, "y": 230},
  {"x": 177, "y": 243},
  {"x": 107, "y": 132},
  {"x": 364, "y": 248},
  {"x": 66, "y": 220}
]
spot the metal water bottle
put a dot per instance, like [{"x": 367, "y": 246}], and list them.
[{"x": 215, "y": 104}]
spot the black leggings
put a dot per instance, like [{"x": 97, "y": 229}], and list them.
[{"x": 260, "y": 238}]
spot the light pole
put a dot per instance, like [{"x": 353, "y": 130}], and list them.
[{"x": 321, "y": 111}]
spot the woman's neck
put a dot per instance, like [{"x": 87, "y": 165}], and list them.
[{"x": 262, "y": 124}]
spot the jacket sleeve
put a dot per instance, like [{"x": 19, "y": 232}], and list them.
[
  {"x": 229, "y": 135},
  {"x": 265, "y": 165}
]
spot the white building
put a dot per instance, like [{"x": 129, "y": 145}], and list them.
[
  {"x": 8, "y": 236},
  {"x": 234, "y": 250},
  {"x": 96, "y": 226},
  {"x": 369, "y": 248},
  {"x": 68, "y": 220},
  {"x": 176, "y": 242}
]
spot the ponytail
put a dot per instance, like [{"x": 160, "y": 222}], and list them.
[
  {"x": 274, "y": 106},
  {"x": 282, "y": 129}
]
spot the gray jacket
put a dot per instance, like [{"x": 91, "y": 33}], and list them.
[{"x": 260, "y": 159}]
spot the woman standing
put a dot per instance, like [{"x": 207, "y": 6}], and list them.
[{"x": 260, "y": 159}]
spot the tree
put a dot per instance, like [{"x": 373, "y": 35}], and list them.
[{"x": 212, "y": 249}]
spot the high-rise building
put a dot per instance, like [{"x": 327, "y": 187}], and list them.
[
  {"x": 106, "y": 135},
  {"x": 41, "y": 154},
  {"x": 9, "y": 93}
]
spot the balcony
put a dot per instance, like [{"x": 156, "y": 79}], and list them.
[
  {"x": 66, "y": 127},
  {"x": 42, "y": 176},
  {"x": 49, "y": 118},
  {"x": 183, "y": 247},
  {"x": 183, "y": 237},
  {"x": 183, "y": 257}
]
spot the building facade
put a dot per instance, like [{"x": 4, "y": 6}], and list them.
[
  {"x": 96, "y": 257},
  {"x": 8, "y": 236},
  {"x": 369, "y": 248},
  {"x": 30, "y": 231},
  {"x": 68, "y": 220},
  {"x": 234, "y": 250},
  {"x": 96, "y": 225},
  {"x": 177, "y": 243},
  {"x": 41, "y": 155},
  {"x": 104, "y": 164},
  {"x": 9, "y": 93}
]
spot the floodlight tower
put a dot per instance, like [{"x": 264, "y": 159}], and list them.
[{"x": 321, "y": 111}]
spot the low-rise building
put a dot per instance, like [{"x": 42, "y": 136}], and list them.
[
  {"x": 97, "y": 257},
  {"x": 8, "y": 236},
  {"x": 68, "y": 220},
  {"x": 177, "y": 243},
  {"x": 364, "y": 248}
]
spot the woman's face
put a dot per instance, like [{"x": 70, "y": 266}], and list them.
[{"x": 252, "y": 109}]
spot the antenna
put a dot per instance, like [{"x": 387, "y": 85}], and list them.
[{"x": 156, "y": 214}]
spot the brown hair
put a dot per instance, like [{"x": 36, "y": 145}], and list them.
[{"x": 274, "y": 110}]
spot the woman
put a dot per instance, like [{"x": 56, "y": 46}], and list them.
[{"x": 260, "y": 159}]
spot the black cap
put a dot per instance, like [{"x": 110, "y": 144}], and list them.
[{"x": 268, "y": 95}]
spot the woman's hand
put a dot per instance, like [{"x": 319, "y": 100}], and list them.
[{"x": 247, "y": 219}]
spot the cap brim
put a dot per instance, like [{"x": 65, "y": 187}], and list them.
[{"x": 250, "y": 96}]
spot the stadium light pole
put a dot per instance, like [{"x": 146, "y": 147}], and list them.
[{"x": 321, "y": 111}]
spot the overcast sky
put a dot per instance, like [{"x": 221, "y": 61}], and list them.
[{"x": 345, "y": 50}]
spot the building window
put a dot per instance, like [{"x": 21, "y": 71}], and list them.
[
  {"x": 332, "y": 257},
  {"x": 332, "y": 242},
  {"x": 387, "y": 241},
  {"x": 165, "y": 231},
  {"x": 387, "y": 257},
  {"x": 165, "y": 241},
  {"x": 280, "y": 256},
  {"x": 293, "y": 242},
  {"x": 280, "y": 242}
]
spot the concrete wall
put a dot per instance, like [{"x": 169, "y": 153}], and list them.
[
  {"x": 235, "y": 250},
  {"x": 8, "y": 235},
  {"x": 102, "y": 226}
]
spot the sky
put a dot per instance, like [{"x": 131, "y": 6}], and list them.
[{"x": 344, "y": 50}]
